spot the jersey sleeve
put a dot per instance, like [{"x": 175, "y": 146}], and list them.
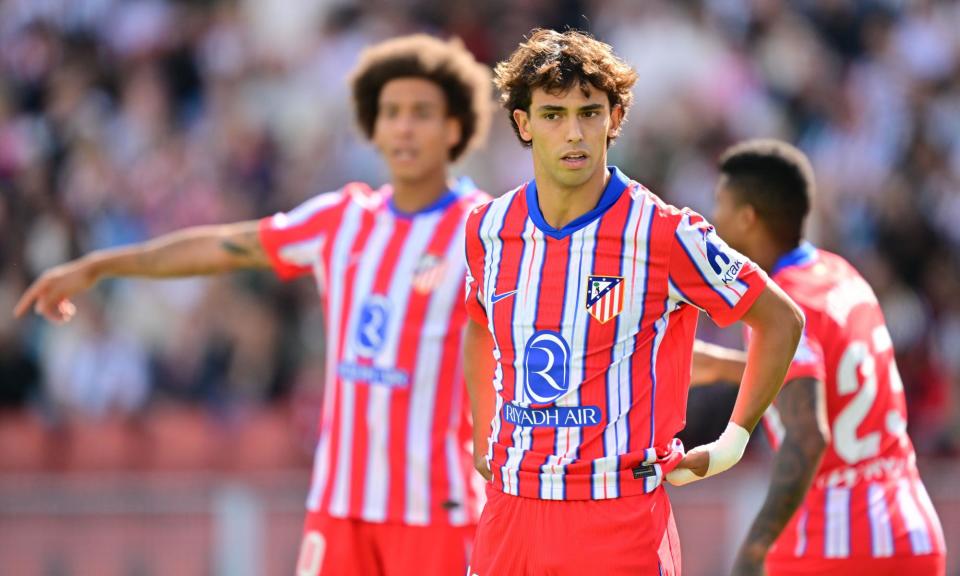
[
  {"x": 710, "y": 275},
  {"x": 292, "y": 240},
  {"x": 475, "y": 254}
]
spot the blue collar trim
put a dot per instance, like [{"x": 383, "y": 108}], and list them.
[
  {"x": 615, "y": 186},
  {"x": 462, "y": 186},
  {"x": 805, "y": 253}
]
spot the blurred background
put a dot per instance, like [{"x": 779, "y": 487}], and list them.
[{"x": 169, "y": 428}]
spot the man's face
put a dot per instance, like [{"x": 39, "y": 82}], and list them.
[
  {"x": 569, "y": 133},
  {"x": 729, "y": 218},
  {"x": 412, "y": 130}
]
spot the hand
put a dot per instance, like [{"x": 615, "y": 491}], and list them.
[
  {"x": 480, "y": 460},
  {"x": 50, "y": 294},
  {"x": 750, "y": 560},
  {"x": 697, "y": 461}
]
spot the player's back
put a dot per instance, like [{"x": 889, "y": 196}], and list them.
[{"x": 867, "y": 499}]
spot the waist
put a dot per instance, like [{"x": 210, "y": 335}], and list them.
[{"x": 551, "y": 477}]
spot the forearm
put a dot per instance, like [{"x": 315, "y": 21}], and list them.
[
  {"x": 191, "y": 252},
  {"x": 793, "y": 469},
  {"x": 776, "y": 328},
  {"x": 478, "y": 372}
]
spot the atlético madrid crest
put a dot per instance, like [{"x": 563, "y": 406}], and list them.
[
  {"x": 604, "y": 297},
  {"x": 429, "y": 273}
]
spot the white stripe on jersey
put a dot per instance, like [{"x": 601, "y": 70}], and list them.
[
  {"x": 801, "y": 547},
  {"x": 349, "y": 228},
  {"x": 837, "y": 533},
  {"x": 377, "y": 480},
  {"x": 363, "y": 284},
  {"x": 305, "y": 253},
  {"x": 919, "y": 538},
  {"x": 423, "y": 396},
  {"x": 881, "y": 532}
]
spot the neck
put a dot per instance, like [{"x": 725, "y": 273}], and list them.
[
  {"x": 415, "y": 195},
  {"x": 562, "y": 204},
  {"x": 765, "y": 252}
]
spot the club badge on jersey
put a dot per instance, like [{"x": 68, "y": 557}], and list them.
[
  {"x": 429, "y": 273},
  {"x": 604, "y": 297}
]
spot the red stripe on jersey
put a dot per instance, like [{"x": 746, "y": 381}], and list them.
[
  {"x": 360, "y": 241},
  {"x": 507, "y": 278},
  {"x": 898, "y": 523},
  {"x": 861, "y": 536},
  {"x": 381, "y": 286},
  {"x": 556, "y": 258}
]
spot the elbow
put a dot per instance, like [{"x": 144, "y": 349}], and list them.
[{"x": 796, "y": 321}]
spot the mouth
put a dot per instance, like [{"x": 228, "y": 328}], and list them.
[
  {"x": 404, "y": 154},
  {"x": 574, "y": 159}
]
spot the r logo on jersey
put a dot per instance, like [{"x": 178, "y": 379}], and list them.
[
  {"x": 604, "y": 297},
  {"x": 372, "y": 326},
  {"x": 545, "y": 358}
]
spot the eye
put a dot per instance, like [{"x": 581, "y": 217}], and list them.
[
  {"x": 591, "y": 113},
  {"x": 551, "y": 116}
]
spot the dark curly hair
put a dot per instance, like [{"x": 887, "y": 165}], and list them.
[
  {"x": 464, "y": 81},
  {"x": 554, "y": 61}
]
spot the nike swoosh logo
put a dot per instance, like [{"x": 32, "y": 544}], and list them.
[{"x": 498, "y": 297}]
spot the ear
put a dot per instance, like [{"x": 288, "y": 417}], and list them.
[
  {"x": 523, "y": 125},
  {"x": 616, "y": 119},
  {"x": 747, "y": 216},
  {"x": 454, "y": 132}
]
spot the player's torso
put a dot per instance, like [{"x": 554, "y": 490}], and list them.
[
  {"x": 866, "y": 499},
  {"x": 392, "y": 426},
  {"x": 576, "y": 318}
]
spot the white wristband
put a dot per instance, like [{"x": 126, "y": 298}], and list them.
[{"x": 724, "y": 452}]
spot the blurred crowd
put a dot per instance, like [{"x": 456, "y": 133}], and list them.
[{"x": 124, "y": 119}]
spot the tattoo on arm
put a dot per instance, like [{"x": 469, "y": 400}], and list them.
[
  {"x": 245, "y": 245},
  {"x": 801, "y": 409}
]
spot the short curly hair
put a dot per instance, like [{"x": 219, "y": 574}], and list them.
[
  {"x": 554, "y": 61},
  {"x": 464, "y": 81}
]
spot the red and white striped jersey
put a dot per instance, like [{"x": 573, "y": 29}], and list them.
[
  {"x": 593, "y": 328},
  {"x": 867, "y": 500},
  {"x": 393, "y": 429}
]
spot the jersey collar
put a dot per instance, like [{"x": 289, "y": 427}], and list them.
[
  {"x": 461, "y": 186},
  {"x": 615, "y": 186},
  {"x": 802, "y": 254}
]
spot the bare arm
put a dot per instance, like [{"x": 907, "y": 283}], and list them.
[
  {"x": 776, "y": 324},
  {"x": 803, "y": 412},
  {"x": 713, "y": 363},
  {"x": 478, "y": 369},
  {"x": 191, "y": 252}
]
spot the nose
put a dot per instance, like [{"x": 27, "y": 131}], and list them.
[{"x": 574, "y": 132}]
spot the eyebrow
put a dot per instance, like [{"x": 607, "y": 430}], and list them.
[{"x": 555, "y": 108}]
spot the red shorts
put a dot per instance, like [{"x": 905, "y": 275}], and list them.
[
  {"x": 633, "y": 535},
  {"x": 346, "y": 547},
  {"x": 928, "y": 565}
]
